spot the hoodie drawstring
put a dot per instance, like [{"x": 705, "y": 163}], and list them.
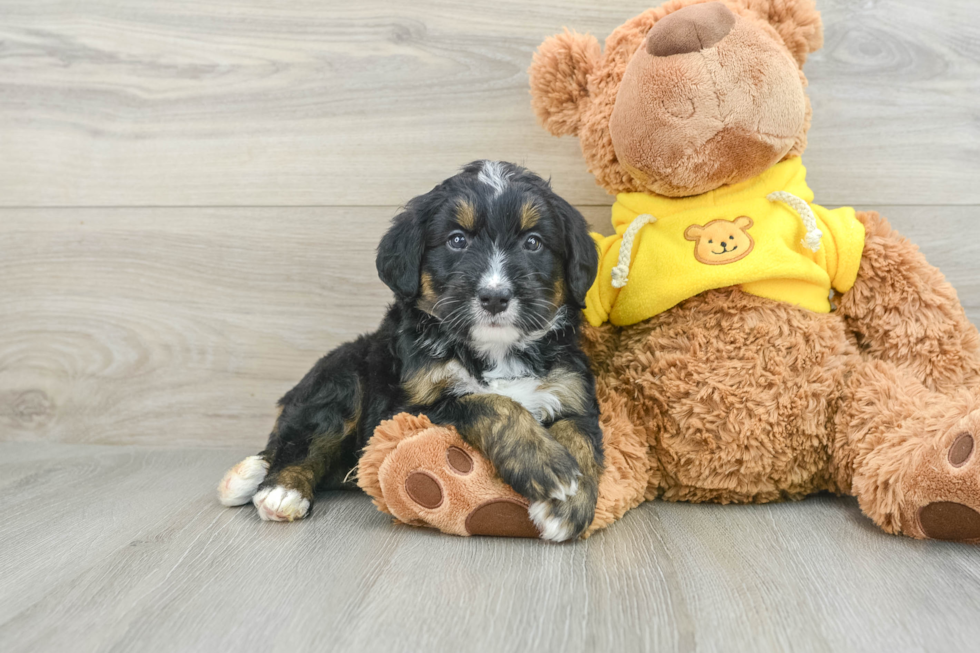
[
  {"x": 813, "y": 234},
  {"x": 626, "y": 249}
]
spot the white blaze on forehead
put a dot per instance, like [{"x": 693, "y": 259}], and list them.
[
  {"x": 495, "y": 277},
  {"x": 493, "y": 174}
]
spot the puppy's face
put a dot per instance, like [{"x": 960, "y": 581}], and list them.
[{"x": 491, "y": 253}]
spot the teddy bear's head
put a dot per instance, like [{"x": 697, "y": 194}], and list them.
[{"x": 687, "y": 97}]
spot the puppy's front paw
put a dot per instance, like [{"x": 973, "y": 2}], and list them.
[
  {"x": 281, "y": 504},
  {"x": 540, "y": 472},
  {"x": 560, "y": 520}
]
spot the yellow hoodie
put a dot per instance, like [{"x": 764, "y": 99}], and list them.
[{"x": 759, "y": 235}]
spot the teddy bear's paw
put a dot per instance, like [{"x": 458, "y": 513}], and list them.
[
  {"x": 956, "y": 517},
  {"x": 942, "y": 489},
  {"x": 434, "y": 479},
  {"x": 281, "y": 504},
  {"x": 241, "y": 481},
  {"x": 559, "y": 520}
]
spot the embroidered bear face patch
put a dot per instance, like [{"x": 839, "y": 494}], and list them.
[{"x": 721, "y": 241}]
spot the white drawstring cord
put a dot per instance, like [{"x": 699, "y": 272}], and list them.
[
  {"x": 626, "y": 249},
  {"x": 813, "y": 234}
]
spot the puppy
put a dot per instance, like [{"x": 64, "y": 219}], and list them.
[{"x": 489, "y": 270}]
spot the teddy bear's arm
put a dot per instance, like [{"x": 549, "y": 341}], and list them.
[{"x": 902, "y": 310}]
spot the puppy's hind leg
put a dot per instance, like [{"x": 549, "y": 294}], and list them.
[
  {"x": 286, "y": 494},
  {"x": 313, "y": 438}
]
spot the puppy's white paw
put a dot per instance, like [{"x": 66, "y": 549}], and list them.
[
  {"x": 551, "y": 527},
  {"x": 240, "y": 482},
  {"x": 566, "y": 491},
  {"x": 281, "y": 504}
]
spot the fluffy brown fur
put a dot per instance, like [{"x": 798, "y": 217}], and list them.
[
  {"x": 575, "y": 84},
  {"x": 732, "y": 398}
]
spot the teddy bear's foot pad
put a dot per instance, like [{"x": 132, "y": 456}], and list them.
[
  {"x": 948, "y": 520},
  {"x": 951, "y": 513},
  {"x": 501, "y": 518},
  {"x": 961, "y": 451},
  {"x": 433, "y": 479}
]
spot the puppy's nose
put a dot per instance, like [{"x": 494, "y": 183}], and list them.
[
  {"x": 691, "y": 29},
  {"x": 495, "y": 300}
]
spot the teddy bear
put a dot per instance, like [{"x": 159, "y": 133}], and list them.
[{"x": 749, "y": 345}]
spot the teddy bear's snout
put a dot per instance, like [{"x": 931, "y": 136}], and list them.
[{"x": 691, "y": 29}]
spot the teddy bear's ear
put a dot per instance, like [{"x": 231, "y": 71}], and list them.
[
  {"x": 797, "y": 21},
  {"x": 559, "y": 80},
  {"x": 693, "y": 232},
  {"x": 744, "y": 222}
]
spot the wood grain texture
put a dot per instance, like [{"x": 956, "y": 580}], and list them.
[
  {"x": 268, "y": 144},
  {"x": 255, "y": 102},
  {"x": 126, "y": 548},
  {"x": 182, "y": 327}
]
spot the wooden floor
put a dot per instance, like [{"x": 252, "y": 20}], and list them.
[
  {"x": 124, "y": 548},
  {"x": 190, "y": 197}
]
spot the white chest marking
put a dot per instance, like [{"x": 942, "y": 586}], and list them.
[{"x": 511, "y": 380}]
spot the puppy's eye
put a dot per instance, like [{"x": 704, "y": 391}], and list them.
[
  {"x": 533, "y": 243},
  {"x": 457, "y": 240}
]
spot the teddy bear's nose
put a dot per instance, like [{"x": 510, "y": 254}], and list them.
[{"x": 691, "y": 29}]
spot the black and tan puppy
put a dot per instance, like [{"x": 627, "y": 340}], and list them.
[{"x": 489, "y": 271}]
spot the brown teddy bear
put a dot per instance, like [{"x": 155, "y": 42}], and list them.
[{"x": 749, "y": 345}]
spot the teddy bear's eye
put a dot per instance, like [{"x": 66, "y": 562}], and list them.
[
  {"x": 710, "y": 241},
  {"x": 731, "y": 238}
]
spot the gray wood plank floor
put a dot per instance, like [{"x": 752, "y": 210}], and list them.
[
  {"x": 125, "y": 548},
  {"x": 190, "y": 198}
]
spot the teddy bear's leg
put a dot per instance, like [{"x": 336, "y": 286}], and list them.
[
  {"x": 902, "y": 310},
  {"x": 909, "y": 454},
  {"x": 628, "y": 463},
  {"x": 426, "y": 475}
]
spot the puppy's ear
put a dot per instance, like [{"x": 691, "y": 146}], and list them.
[
  {"x": 400, "y": 252},
  {"x": 581, "y": 253}
]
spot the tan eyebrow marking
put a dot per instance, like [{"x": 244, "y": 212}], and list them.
[
  {"x": 465, "y": 215},
  {"x": 529, "y": 215}
]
